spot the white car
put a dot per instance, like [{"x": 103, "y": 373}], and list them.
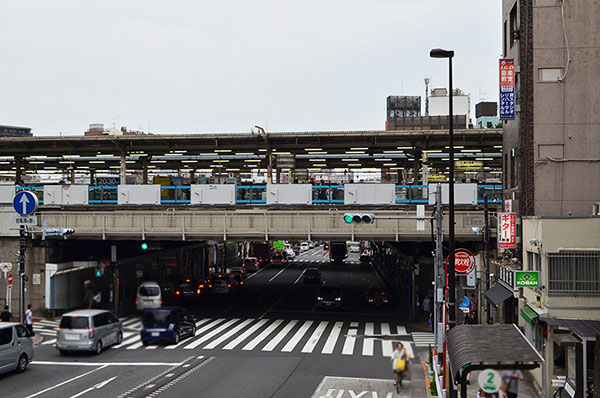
[
  {"x": 355, "y": 247},
  {"x": 290, "y": 253},
  {"x": 304, "y": 247}
]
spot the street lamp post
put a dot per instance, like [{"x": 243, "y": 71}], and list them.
[{"x": 450, "y": 274}]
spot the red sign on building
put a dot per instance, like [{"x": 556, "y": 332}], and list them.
[{"x": 507, "y": 230}]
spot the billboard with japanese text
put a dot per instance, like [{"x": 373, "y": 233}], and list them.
[
  {"x": 507, "y": 89},
  {"x": 507, "y": 230}
]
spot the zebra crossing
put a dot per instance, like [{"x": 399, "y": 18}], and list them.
[
  {"x": 321, "y": 260},
  {"x": 423, "y": 339},
  {"x": 324, "y": 337}
]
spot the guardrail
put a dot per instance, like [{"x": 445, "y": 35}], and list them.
[{"x": 325, "y": 194}]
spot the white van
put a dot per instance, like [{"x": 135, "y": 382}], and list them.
[
  {"x": 304, "y": 247},
  {"x": 148, "y": 296}
]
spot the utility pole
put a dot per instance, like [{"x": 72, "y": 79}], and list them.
[
  {"x": 486, "y": 252},
  {"x": 22, "y": 248},
  {"x": 438, "y": 298}
]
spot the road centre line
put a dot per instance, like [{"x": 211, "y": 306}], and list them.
[
  {"x": 94, "y": 387},
  {"x": 283, "y": 295},
  {"x": 65, "y": 382}
]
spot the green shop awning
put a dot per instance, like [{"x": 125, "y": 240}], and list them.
[{"x": 528, "y": 314}]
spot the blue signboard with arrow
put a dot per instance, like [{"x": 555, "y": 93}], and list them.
[{"x": 25, "y": 203}]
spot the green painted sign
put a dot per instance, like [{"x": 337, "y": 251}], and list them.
[
  {"x": 278, "y": 245},
  {"x": 527, "y": 278}
]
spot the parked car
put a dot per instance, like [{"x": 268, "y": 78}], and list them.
[
  {"x": 167, "y": 324},
  {"x": 312, "y": 275},
  {"x": 376, "y": 296},
  {"x": 148, "y": 296},
  {"x": 88, "y": 330},
  {"x": 251, "y": 264},
  {"x": 304, "y": 247},
  {"x": 16, "y": 347},
  {"x": 329, "y": 296}
]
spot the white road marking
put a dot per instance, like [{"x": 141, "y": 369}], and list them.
[
  {"x": 104, "y": 364},
  {"x": 368, "y": 342},
  {"x": 245, "y": 335},
  {"x": 401, "y": 331},
  {"x": 277, "y": 339},
  {"x": 409, "y": 350},
  {"x": 386, "y": 345},
  {"x": 289, "y": 347},
  {"x": 51, "y": 341},
  {"x": 95, "y": 387},
  {"x": 227, "y": 335},
  {"x": 349, "y": 343},
  {"x": 332, "y": 339},
  {"x": 65, "y": 382},
  {"x": 277, "y": 274},
  {"x": 136, "y": 345},
  {"x": 198, "y": 331},
  {"x": 207, "y": 336},
  {"x": 258, "y": 339},
  {"x": 130, "y": 321},
  {"x": 314, "y": 339}
]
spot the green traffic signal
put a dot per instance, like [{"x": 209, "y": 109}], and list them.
[
  {"x": 144, "y": 246},
  {"x": 359, "y": 218},
  {"x": 348, "y": 218}
]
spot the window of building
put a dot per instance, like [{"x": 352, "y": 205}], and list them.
[
  {"x": 514, "y": 25},
  {"x": 538, "y": 337},
  {"x": 537, "y": 262},
  {"x": 529, "y": 264},
  {"x": 574, "y": 273}
]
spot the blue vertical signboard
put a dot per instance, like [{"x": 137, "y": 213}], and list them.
[{"x": 507, "y": 88}]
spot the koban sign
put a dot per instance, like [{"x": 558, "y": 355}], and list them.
[{"x": 527, "y": 278}]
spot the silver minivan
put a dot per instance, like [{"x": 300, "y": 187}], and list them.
[
  {"x": 88, "y": 330},
  {"x": 16, "y": 347},
  {"x": 148, "y": 296}
]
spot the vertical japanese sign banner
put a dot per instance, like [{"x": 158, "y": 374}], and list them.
[
  {"x": 507, "y": 230},
  {"x": 507, "y": 89}
]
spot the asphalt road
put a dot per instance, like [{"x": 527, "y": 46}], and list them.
[{"x": 269, "y": 340}]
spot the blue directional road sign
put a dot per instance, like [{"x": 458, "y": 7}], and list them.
[
  {"x": 465, "y": 303},
  {"x": 25, "y": 203}
]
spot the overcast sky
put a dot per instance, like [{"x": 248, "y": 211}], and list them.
[{"x": 223, "y": 66}]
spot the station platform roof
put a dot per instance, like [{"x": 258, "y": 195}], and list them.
[{"x": 326, "y": 150}]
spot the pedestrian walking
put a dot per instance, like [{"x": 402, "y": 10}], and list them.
[
  {"x": 511, "y": 382},
  {"x": 29, "y": 319},
  {"x": 6, "y": 315},
  {"x": 88, "y": 296},
  {"x": 427, "y": 306},
  {"x": 97, "y": 300}
]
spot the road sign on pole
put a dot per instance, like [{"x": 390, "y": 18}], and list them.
[
  {"x": 5, "y": 266},
  {"x": 25, "y": 203},
  {"x": 9, "y": 279},
  {"x": 464, "y": 261}
]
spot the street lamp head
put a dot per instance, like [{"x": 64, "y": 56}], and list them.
[{"x": 440, "y": 53}]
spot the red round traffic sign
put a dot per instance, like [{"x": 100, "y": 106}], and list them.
[
  {"x": 10, "y": 279},
  {"x": 463, "y": 261}
]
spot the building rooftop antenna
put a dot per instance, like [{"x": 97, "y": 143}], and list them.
[{"x": 426, "y": 96}]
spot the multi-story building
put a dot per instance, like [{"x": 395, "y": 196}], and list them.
[{"x": 552, "y": 181}]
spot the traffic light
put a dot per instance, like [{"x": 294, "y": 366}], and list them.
[
  {"x": 144, "y": 246},
  {"x": 359, "y": 218},
  {"x": 100, "y": 268}
]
